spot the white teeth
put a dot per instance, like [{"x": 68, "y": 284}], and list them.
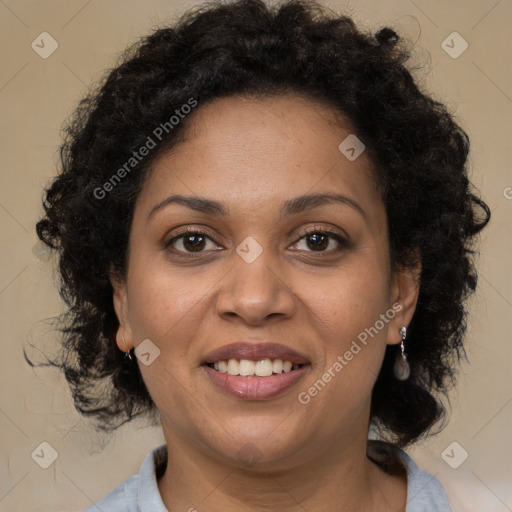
[
  {"x": 233, "y": 367},
  {"x": 277, "y": 366},
  {"x": 261, "y": 368},
  {"x": 246, "y": 367}
]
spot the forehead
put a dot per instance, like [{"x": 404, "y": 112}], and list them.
[{"x": 265, "y": 150}]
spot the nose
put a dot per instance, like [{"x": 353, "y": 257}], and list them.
[{"x": 255, "y": 292}]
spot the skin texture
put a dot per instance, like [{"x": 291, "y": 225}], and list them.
[{"x": 252, "y": 155}]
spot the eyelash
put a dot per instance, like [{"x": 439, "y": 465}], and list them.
[{"x": 342, "y": 241}]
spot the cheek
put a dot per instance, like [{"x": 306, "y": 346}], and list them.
[
  {"x": 163, "y": 305},
  {"x": 349, "y": 301},
  {"x": 347, "y": 313},
  {"x": 168, "y": 309}
]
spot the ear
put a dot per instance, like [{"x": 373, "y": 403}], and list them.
[
  {"x": 120, "y": 299},
  {"x": 405, "y": 289}
]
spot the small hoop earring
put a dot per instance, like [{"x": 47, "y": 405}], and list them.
[
  {"x": 127, "y": 354},
  {"x": 401, "y": 369}
]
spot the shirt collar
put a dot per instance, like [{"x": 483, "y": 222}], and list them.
[{"x": 148, "y": 494}]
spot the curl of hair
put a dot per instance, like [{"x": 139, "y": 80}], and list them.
[{"x": 248, "y": 48}]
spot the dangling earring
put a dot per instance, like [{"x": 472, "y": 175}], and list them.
[{"x": 402, "y": 370}]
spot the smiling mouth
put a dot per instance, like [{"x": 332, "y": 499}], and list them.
[{"x": 249, "y": 368}]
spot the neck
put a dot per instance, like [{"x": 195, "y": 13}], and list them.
[{"x": 331, "y": 481}]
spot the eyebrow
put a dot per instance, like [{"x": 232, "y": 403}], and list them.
[{"x": 290, "y": 207}]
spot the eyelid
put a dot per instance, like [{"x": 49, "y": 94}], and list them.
[
  {"x": 337, "y": 234},
  {"x": 342, "y": 239},
  {"x": 193, "y": 231},
  {"x": 323, "y": 229}
]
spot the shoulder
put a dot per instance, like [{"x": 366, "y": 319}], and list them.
[
  {"x": 140, "y": 488},
  {"x": 424, "y": 491}
]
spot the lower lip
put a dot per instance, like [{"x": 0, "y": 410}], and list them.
[{"x": 256, "y": 388}]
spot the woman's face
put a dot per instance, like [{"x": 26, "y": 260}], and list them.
[{"x": 255, "y": 277}]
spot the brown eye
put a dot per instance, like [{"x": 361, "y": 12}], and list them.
[
  {"x": 190, "y": 242},
  {"x": 322, "y": 241},
  {"x": 318, "y": 241},
  {"x": 193, "y": 243}
]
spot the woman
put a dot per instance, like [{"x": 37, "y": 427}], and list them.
[{"x": 266, "y": 234}]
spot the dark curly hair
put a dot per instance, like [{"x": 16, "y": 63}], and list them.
[{"x": 247, "y": 47}]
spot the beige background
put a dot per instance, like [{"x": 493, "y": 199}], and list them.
[{"x": 37, "y": 94}]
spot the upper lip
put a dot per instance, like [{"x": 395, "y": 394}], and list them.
[{"x": 255, "y": 352}]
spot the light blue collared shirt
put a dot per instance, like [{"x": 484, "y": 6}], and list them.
[{"x": 140, "y": 493}]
